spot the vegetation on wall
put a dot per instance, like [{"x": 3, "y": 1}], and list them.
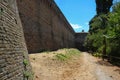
[{"x": 104, "y": 33}]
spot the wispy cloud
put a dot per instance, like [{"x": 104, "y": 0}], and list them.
[
  {"x": 87, "y": 23},
  {"x": 75, "y": 26}
]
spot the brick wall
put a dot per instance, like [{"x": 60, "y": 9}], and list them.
[
  {"x": 45, "y": 27},
  {"x": 13, "y": 50}
]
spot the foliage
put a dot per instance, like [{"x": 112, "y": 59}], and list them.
[
  {"x": 62, "y": 57},
  {"x": 114, "y": 30},
  {"x": 97, "y": 55},
  {"x": 25, "y": 62},
  {"x": 28, "y": 75},
  {"x": 94, "y": 39},
  {"x": 105, "y": 27},
  {"x": 68, "y": 54},
  {"x": 103, "y": 6}
]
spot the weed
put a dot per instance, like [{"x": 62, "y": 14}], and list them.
[
  {"x": 68, "y": 54},
  {"x": 25, "y": 62},
  {"x": 62, "y": 57},
  {"x": 28, "y": 75}
]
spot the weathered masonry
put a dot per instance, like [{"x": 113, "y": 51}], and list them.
[
  {"x": 80, "y": 40},
  {"x": 13, "y": 50},
  {"x": 44, "y": 25}
]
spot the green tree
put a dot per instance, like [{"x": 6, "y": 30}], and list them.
[{"x": 114, "y": 30}]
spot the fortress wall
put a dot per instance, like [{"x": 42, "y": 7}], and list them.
[
  {"x": 80, "y": 40},
  {"x": 12, "y": 44},
  {"x": 45, "y": 27}
]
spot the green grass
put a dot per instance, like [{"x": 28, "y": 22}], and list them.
[
  {"x": 97, "y": 54},
  {"x": 62, "y": 57},
  {"x": 69, "y": 53}
]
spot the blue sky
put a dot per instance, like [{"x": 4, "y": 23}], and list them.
[{"x": 78, "y": 12}]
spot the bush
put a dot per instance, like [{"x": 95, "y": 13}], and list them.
[
  {"x": 108, "y": 25},
  {"x": 97, "y": 54}
]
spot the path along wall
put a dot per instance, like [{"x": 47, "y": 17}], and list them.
[
  {"x": 13, "y": 50},
  {"x": 45, "y": 27}
]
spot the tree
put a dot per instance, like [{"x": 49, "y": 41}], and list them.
[
  {"x": 96, "y": 41},
  {"x": 103, "y": 6}
]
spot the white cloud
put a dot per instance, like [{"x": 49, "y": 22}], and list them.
[
  {"x": 75, "y": 26},
  {"x": 86, "y": 23}
]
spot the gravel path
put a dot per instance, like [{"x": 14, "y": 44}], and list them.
[{"x": 83, "y": 67}]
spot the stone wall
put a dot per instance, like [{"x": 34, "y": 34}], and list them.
[
  {"x": 79, "y": 40},
  {"x": 13, "y": 50},
  {"x": 45, "y": 27}
]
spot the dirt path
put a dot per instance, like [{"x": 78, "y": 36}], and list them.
[{"x": 83, "y": 67}]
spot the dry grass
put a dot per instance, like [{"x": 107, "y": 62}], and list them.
[{"x": 66, "y": 64}]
